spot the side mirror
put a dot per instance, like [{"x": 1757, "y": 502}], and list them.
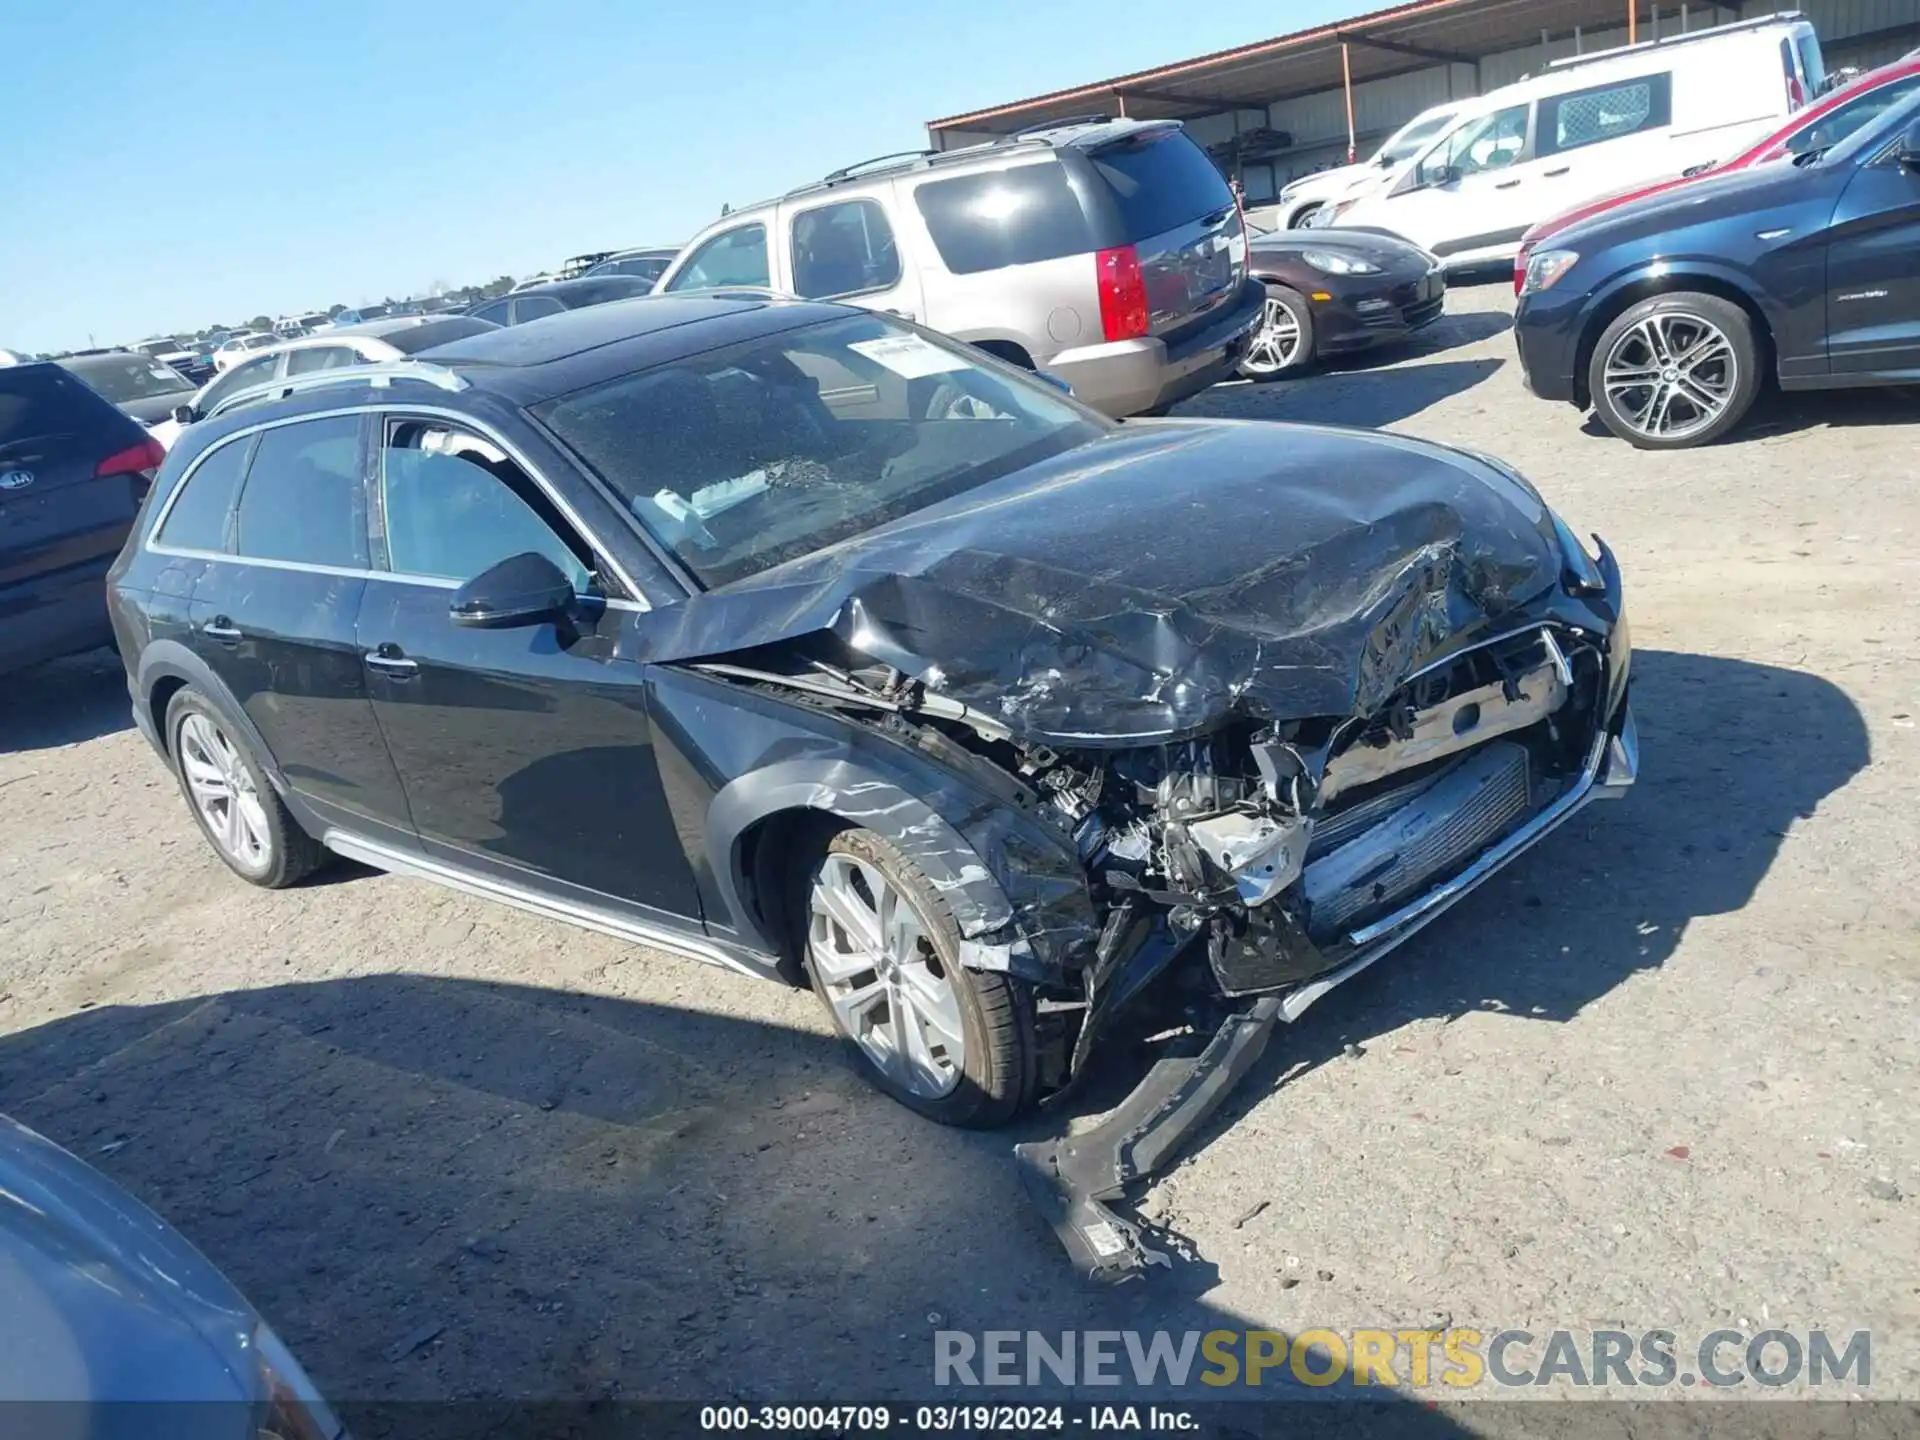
[
  {"x": 183, "y": 415},
  {"x": 1910, "y": 147},
  {"x": 525, "y": 589},
  {"x": 1060, "y": 383},
  {"x": 1449, "y": 175}
]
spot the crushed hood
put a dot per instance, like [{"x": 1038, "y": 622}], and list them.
[{"x": 1154, "y": 582}]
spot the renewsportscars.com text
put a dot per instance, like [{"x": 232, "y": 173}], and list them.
[{"x": 1459, "y": 1358}]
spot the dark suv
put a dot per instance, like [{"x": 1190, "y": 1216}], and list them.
[
  {"x": 73, "y": 470},
  {"x": 803, "y": 641}
]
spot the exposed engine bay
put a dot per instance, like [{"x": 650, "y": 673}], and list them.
[{"x": 1260, "y": 862}]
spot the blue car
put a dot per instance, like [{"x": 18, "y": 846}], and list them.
[
  {"x": 113, "y": 1326},
  {"x": 1666, "y": 316}
]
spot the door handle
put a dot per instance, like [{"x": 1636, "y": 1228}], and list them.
[
  {"x": 1506, "y": 184},
  {"x": 1561, "y": 171},
  {"x": 222, "y": 629},
  {"x": 389, "y": 660}
]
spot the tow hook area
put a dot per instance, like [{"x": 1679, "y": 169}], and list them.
[{"x": 1071, "y": 1178}]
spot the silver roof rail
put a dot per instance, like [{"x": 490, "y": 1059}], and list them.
[{"x": 377, "y": 373}]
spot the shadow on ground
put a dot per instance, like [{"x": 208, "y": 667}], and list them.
[
  {"x": 64, "y": 702},
  {"x": 583, "y": 1197},
  {"x": 1368, "y": 398},
  {"x": 1780, "y": 412}
]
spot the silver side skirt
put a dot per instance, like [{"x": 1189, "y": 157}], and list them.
[
  {"x": 1612, "y": 766},
  {"x": 398, "y": 862}
]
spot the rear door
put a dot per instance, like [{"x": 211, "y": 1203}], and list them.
[
  {"x": 845, "y": 250},
  {"x": 59, "y": 515},
  {"x": 280, "y": 518},
  {"x": 1173, "y": 206}
]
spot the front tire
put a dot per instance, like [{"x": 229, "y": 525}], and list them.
[
  {"x": 236, "y": 807},
  {"x": 1675, "y": 371},
  {"x": 882, "y": 951},
  {"x": 1282, "y": 345}
]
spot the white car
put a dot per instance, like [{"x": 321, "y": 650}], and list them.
[
  {"x": 1303, "y": 198},
  {"x": 239, "y": 347},
  {"x": 1587, "y": 127}
]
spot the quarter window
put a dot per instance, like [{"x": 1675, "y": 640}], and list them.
[
  {"x": 198, "y": 518},
  {"x": 1606, "y": 112},
  {"x": 843, "y": 249},
  {"x": 456, "y": 505},
  {"x": 733, "y": 257},
  {"x": 304, "y": 500}
]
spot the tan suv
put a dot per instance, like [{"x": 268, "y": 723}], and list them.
[{"x": 1110, "y": 254}]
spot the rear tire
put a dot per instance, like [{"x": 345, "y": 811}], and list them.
[
  {"x": 231, "y": 799},
  {"x": 1675, "y": 371},
  {"x": 882, "y": 952}
]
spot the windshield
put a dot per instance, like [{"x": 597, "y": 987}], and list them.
[
  {"x": 128, "y": 377},
  {"x": 743, "y": 458}
]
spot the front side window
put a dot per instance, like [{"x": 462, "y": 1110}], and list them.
[
  {"x": 843, "y": 249},
  {"x": 456, "y": 506},
  {"x": 742, "y": 458},
  {"x": 733, "y": 257},
  {"x": 1491, "y": 142},
  {"x": 303, "y": 500},
  {"x": 1837, "y": 124},
  {"x": 1605, "y": 112},
  {"x": 199, "y": 517}
]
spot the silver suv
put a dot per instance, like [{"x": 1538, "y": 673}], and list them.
[{"x": 1110, "y": 254}]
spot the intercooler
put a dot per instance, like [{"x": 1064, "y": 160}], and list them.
[{"x": 1376, "y": 855}]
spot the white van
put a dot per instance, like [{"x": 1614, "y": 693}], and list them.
[{"x": 1586, "y": 127}]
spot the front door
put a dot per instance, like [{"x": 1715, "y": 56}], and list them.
[
  {"x": 1873, "y": 280},
  {"x": 526, "y": 753},
  {"x": 280, "y": 519},
  {"x": 1476, "y": 191}
]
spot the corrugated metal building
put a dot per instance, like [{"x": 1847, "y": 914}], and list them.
[{"x": 1294, "y": 88}]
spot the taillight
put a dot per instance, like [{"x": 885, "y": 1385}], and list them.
[
  {"x": 148, "y": 455},
  {"x": 1123, "y": 293}
]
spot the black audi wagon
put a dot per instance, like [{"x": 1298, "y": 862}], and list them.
[{"x": 800, "y": 640}]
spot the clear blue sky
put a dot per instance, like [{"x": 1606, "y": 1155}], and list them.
[{"x": 175, "y": 163}]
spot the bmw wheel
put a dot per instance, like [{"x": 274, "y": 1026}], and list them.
[
  {"x": 236, "y": 807},
  {"x": 1675, "y": 371},
  {"x": 882, "y": 951},
  {"x": 1283, "y": 343}
]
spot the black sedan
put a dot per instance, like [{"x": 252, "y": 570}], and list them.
[
  {"x": 143, "y": 387},
  {"x": 537, "y": 301},
  {"x": 1330, "y": 292},
  {"x": 792, "y": 638}
]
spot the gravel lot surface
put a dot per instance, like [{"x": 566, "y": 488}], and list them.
[{"x": 1658, "y": 1074}]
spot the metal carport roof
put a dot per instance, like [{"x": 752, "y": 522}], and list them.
[{"x": 1376, "y": 46}]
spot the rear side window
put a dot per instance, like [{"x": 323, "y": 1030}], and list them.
[
  {"x": 44, "y": 400},
  {"x": 1605, "y": 112},
  {"x": 496, "y": 313},
  {"x": 304, "y": 500},
  {"x": 1017, "y": 216},
  {"x": 1161, "y": 181},
  {"x": 197, "y": 519},
  {"x": 843, "y": 249},
  {"x": 532, "y": 307}
]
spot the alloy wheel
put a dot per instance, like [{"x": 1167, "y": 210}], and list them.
[
  {"x": 887, "y": 985},
  {"x": 1672, "y": 375},
  {"x": 224, "y": 794},
  {"x": 1276, "y": 344}
]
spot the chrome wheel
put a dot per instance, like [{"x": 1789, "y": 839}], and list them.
[
  {"x": 1671, "y": 376},
  {"x": 1276, "y": 344},
  {"x": 881, "y": 974},
  {"x": 224, "y": 794}
]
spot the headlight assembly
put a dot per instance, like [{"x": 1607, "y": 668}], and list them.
[
  {"x": 1332, "y": 262},
  {"x": 1545, "y": 267}
]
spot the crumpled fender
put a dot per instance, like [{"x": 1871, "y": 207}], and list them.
[{"x": 1016, "y": 888}]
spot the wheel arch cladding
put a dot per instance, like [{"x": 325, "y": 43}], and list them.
[
  {"x": 166, "y": 668},
  {"x": 1615, "y": 302},
  {"x": 1018, "y": 893}
]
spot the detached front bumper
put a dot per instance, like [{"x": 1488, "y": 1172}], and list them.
[{"x": 1072, "y": 1179}]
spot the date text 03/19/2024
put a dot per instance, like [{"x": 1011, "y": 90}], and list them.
[{"x": 946, "y": 1419}]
